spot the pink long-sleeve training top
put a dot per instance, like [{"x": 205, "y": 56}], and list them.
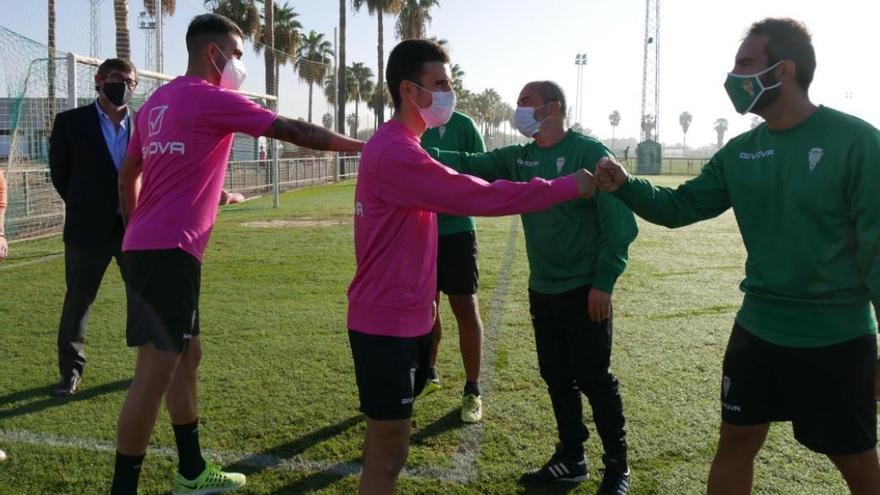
[{"x": 399, "y": 189}]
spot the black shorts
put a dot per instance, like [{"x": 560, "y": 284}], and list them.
[
  {"x": 390, "y": 372},
  {"x": 826, "y": 392},
  {"x": 162, "y": 289},
  {"x": 457, "y": 270}
]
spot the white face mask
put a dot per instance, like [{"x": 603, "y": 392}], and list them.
[
  {"x": 440, "y": 111},
  {"x": 233, "y": 74},
  {"x": 526, "y": 122}
]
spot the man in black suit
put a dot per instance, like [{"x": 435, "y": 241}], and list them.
[{"x": 85, "y": 152}]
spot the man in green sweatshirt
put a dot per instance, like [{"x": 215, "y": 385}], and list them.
[
  {"x": 576, "y": 251},
  {"x": 805, "y": 189},
  {"x": 458, "y": 274}
]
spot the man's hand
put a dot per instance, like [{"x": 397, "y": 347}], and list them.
[
  {"x": 4, "y": 248},
  {"x": 600, "y": 305},
  {"x": 230, "y": 198},
  {"x": 586, "y": 184},
  {"x": 610, "y": 175}
]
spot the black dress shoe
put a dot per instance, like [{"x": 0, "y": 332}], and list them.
[{"x": 68, "y": 386}]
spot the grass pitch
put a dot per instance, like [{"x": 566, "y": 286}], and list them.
[{"x": 277, "y": 392}]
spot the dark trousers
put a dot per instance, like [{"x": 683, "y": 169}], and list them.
[
  {"x": 83, "y": 268},
  {"x": 574, "y": 356}
]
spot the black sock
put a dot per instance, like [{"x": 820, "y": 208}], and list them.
[
  {"x": 472, "y": 388},
  {"x": 189, "y": 454},
  {"x": 126, "y": 474},
  {"x": 432, "y": 373}
]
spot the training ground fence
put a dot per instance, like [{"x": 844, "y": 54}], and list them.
[{"x": 39, "y": 83}]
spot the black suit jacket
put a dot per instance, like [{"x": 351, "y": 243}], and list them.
[{"x": 84, "y": 175}]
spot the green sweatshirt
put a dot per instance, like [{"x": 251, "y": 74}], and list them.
[
  {"x": 459, "y": 134},
  {"x": 807, "y": 202},
  {"x": 576, "y": 243}
]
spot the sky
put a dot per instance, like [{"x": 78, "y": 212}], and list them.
[{"x": 503, "y": 44}]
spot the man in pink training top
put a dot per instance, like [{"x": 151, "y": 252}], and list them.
[
  {"x": 181, "y": 147},
  {"x": 391, "y": 299}
]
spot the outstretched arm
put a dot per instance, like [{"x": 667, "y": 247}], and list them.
[
  {"x": 700, "y": 198},
  {"x": 310, "y": 136}
]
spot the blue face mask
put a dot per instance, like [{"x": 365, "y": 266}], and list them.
[
  {"x": 526, "y": 122},
  {"x": 440, "y": 111}
]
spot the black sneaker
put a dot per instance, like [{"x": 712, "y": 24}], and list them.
[
  {"x": 558, "y": 468},
  {"x": 614, "y": 482}
]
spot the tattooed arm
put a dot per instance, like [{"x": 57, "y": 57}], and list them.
[{"x": 310, "y": 136}]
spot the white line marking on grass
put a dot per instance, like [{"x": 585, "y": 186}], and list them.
[
  {"x": 464, "y": 463},
  {"x": 243, "y": 459},
  {"x": 4, "y": 267},
  {"x": 464, "y": 467}
]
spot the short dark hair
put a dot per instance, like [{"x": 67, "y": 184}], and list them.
[
  {"x": 407, "y": 63},
  {"x": 209, "y": 27},
  {"x": 112, "y": 64},
  {"x": 788, "y": 39},
  {"x": 550, "y": 92},
  {"x": 119, "y": 64}
]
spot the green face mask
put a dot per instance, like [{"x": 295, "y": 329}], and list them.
[{"x": 745, "y": 90}]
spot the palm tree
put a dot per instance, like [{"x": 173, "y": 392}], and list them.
[
  {"x": 457, "y": 78},
  {"x": 168, "y": 7},
  {"x": 287, "y": 37},
  {"x": 374, "y": 101},
  {"x": 340, "y": 73},
  {"x": 614, "y": 120},
  {"x": 313, "y": 61},
  {"x": 380, "y": 7},
  {"x": 352, "y": 121},
  {"x": 414, "y": 16},
  {"x": 685, "y": 120},
  {"x": 120, "y": 15},
  {"x": 327, "y": 120},
  {"x": 243, "y": 13},
  {"x": 466, "y": 102},
  {"x": 720, "y": 129},
  {"x": 489, "y": 108},
  {"x": 329, "y": 89},
  {"x": 360, "y": 86}
]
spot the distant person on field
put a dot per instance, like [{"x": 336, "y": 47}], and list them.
[{"x": 805, "y": 189}]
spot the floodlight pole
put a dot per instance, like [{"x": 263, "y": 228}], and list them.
[{"x": 580, "y": 60}]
